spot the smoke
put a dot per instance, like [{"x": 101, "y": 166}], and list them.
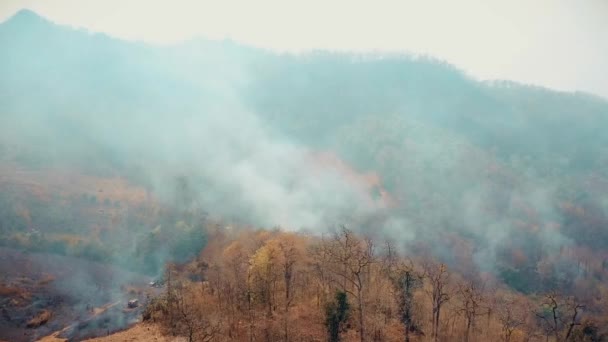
[
  {"x": 166, "y": 114},
  {"x": 236, "y": 132},
  {"x": 237, "y": 167}
]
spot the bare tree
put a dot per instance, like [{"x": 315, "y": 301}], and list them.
[
  {"x": 471, "y": 305},
  {"x": 510, "y": 317},
  {"x": 348, "y": 258},
  {"x": 574, "y": 319},
  {"x": 438, "y": 277},
  {"x": 193, "y": 316},
  {"x": 558, "y": 316}
]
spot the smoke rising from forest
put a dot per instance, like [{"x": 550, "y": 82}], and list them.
[{"x": 245, "y": 134}]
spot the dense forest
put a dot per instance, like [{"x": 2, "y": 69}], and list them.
[{"x": 306, "y": 197}]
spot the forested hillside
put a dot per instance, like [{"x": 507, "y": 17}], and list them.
[
  {"x": 134, "y": 154},
  {"x": 280, "y": 286}
]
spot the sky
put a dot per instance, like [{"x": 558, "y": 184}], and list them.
[{"x": 560, "y": 44}]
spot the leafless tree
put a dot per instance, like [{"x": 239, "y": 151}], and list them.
[
  {"x": 348, "y": 258},
  {"x": 192, "y": 316},
  {"x": 438, "y": 277},
  {"x": 510, "y": 317},
  {"x": 471, "y": 304},
  {"x": 558, "y": 316},
  {"x": 572, "y": 316}
]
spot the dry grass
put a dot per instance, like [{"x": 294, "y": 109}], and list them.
[
  {"x": 52, "y": 338},
  {"x": 40, "y": 319},
  {"x": 138, "y": 333}
]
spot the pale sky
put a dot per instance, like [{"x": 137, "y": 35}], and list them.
[{"x": 561, "y": 44}]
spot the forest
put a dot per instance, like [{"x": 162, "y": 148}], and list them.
[{"x": 272, "y": 285}]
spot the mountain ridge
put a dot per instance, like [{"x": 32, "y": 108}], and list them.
[{"x": 25, "y": 18}]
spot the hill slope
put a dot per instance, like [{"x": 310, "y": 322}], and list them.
[{"x": 235, "y": 126}]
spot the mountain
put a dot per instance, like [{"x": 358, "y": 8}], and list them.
[{"x": 237, "y": 124}]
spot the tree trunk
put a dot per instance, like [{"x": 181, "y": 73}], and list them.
[
  {"x": 437, "y": 323},
  {"x": 361, "y": 323},
  {"x": 468, "y": 331},
  {"x": 434, "y": 325}
]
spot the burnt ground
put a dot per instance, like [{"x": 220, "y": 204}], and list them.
[{"x": 42, "y": 293}]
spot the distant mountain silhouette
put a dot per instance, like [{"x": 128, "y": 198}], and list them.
[{"x": 26, "y": 18}]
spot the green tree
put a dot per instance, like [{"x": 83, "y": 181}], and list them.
[{"x": 337, "y": 313}]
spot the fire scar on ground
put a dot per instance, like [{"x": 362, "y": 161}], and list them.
[{"x": 51, "y": 296}]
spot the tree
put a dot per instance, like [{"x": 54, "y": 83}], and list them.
[
  {"x": 348, "y": 258},
  {"x": 336, "y": 314},
  {"x": 289, "y": 255},
  {"x": 510, "y": 317},
  {"x": 194, "y": 314},
  {"x": 235, "y": 281},
  {"x": 438, "y": 277},
  {"x": 558, "y": 316},
  {"x": 184, "y": 310},
  {"x": 405, "y": 281},
  {"x": 265, "y": 273},
  {"x": 471, "y": 301}
]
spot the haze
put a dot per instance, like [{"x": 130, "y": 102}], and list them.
[
  {"x": 558, "y": 44},
  {"x": 148, "y": 147}
]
